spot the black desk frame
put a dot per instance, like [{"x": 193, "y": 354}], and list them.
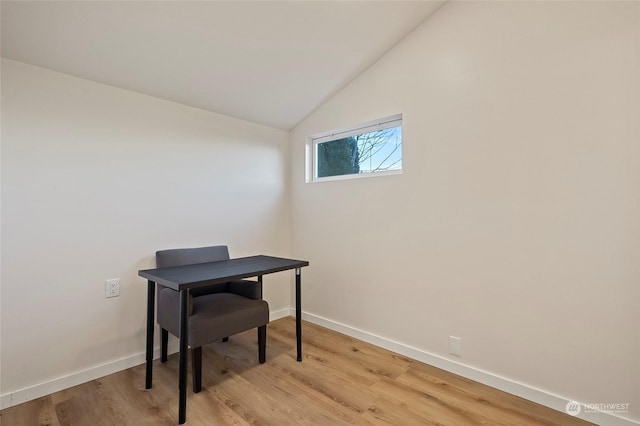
[{"x": 183, "y": 278}]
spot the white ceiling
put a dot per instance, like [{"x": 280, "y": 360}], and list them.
[{"x": 268, "y": 62}]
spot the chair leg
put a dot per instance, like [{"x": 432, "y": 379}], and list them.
[
  {"x": 225, "y": 339},
  {"x": 262, "y": 343},
  {"x": 196, "y": 365},
  {"x": 164, "y": 345}
]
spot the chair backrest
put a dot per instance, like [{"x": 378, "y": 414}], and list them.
[{"x": 189, "y": 256}]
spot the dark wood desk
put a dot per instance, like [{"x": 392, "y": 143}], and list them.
[{"x": 183, "y": 278}]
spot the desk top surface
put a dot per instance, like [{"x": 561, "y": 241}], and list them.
[{"x": 195, "y": 275}]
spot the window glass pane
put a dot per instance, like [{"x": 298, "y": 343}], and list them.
[
  {"x": 370, "y": 152},
  {"x": 339, "y": 157}
]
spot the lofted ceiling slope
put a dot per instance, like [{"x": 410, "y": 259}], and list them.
[{"x": 268, "y": 62}]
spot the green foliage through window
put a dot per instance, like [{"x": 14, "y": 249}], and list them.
[
  {"x": 374, "y": 151},
  {"x": 339, "y": 157}
]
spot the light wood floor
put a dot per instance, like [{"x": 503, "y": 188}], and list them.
[{"x": 340, "y": 381}]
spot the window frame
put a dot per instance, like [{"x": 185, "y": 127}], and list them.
[{"x": 358, "y": 129}]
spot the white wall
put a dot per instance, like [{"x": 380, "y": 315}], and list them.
[
  {"x": 96, "y": 179},
  {"x": 516, "y": 222}
]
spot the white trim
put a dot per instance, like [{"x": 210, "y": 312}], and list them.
[
  {"x": 358, "y": 175},
  {"x": 39, "y": 390},
  {"x": 369, "y": 126},
  {"x": 311, "y": 171},
  {"x": 513, "y": 387},
  {"x": 5, "y": 401},
  {"x": 505, "y": 384},
  {"x": 281, "y": 313},
  {"x": 42, "y": 389}
]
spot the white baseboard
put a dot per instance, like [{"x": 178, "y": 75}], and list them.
[
  {"x": 513, "y": 387},
  {"x": 5, "y": 401},
  {"x": 276, "y": 315},
  {"x": 42, "y": 389},
  {"x": 531, "y": 393}
]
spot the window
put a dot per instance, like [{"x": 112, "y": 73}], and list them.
[{"x": 366, "y": 149}]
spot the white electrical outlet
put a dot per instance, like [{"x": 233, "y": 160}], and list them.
[
  {"x": 112, "y": 287},
  {"x": 455, "y": 346}
]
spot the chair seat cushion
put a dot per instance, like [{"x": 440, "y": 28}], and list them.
[{"x": 220, "y": 315}]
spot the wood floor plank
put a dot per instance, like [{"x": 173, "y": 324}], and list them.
[
  {"x": 424, "y": 405},
  {"x": 341, "y": 381},
  {"x": 297, "y": 395},
  {"x": 500, "y": 404},
  {"x": 312, "y": 379},
  {"x": 42, "y": 412},
  {"x": 475, "y": 405},
  {"x": 386, "y": 412},
  {"x": 367, "y": 361}
]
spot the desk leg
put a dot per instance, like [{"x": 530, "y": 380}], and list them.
[
  {"x": 298, "y": 314},
  {"x": 151, "y": 304},
  {"x": 184, "y": 340}
]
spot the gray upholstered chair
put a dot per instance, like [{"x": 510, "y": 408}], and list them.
[{"x": 216, "y": 311}]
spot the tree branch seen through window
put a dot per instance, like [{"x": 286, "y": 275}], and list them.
[{"x": 371, "y": 152}]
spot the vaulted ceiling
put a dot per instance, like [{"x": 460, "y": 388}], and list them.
[{"x": 270, "y": 62}]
